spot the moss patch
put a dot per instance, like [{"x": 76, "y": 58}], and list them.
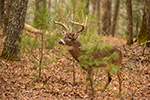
[{"x": 7, "y": 56}]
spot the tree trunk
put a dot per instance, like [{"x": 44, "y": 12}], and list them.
[
  {"x": 106, "y": 16},
  {"x": 87, "y": 7},
  {"x": 129, "y": 29},
  {"x": 144, "y": 34},
  {"x": 98, "y": 17},
  {"x": 142, "y": 37},
  {"x": 35, "y": 13},
  {"x": 115, "y": 17},
  {"x": 49, "y": 5},
  {"x": 148, "y": 22},
  {"x": 7, "y": 8},
  {"x": 1, "y": 11},
  {"x": 11, "y": 50},
  {"x": 94, "y": 3},
  {"x": 109, "y": 16},
  {"x": 137, "y": 26}
]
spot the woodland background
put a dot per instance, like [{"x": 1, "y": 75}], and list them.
[{"x": 34, "y": 66}]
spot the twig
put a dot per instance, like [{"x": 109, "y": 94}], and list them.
[
  {"x": 41, "y": 55},
  {"x": 74, "y": 73}
]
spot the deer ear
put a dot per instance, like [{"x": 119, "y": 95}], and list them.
[
  {"x": 63, "y": 32},
  {"x": 75, "y": 35}
]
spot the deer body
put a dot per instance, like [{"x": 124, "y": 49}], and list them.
[
  {"x": 70, "y": 40},
  {"x": 76, "y": 52}
]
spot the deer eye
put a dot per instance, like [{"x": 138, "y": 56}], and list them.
[{"x": 70, "y": 38}]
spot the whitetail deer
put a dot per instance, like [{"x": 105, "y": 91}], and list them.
[{"x": 70, "y": 39}]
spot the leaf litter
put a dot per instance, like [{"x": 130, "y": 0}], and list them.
[{"x": 18, "y": 80}]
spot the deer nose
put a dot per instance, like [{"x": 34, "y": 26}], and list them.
[{"x": 62, "y": 42}]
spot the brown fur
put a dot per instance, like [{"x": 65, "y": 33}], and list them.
[{"x": 76, "y": 53}]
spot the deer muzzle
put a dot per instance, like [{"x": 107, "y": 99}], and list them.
[{"x": 62, "y": 42}]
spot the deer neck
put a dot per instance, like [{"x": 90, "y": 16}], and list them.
[{"x": 75, "y": 49}]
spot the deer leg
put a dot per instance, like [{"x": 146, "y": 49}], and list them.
[
  {"x": 91, "y": 84},
  {"x": 108, "y": 81},
  {"x": 86, "y": 91},
  {"x": 89, "y": 80},
  {"x": 119, "y": 78},
  {"x": 87, "y": 83}
]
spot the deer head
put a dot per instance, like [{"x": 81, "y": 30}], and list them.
[{"x": 70, "y": 37}]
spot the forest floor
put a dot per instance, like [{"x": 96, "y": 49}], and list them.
[{"x": 18, "y": 80}]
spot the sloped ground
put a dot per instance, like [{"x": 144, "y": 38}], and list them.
[{"x": 18, "y": 80}]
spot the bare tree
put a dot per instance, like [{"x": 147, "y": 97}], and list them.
[
  {"x": 148, "y": 22},
  {"x": 129, "y": 30},
  {"x": 49, "y": 4},
  {"x": 1, "y": 11},
  {"x": 98, "y": 16},
  {"x": 11, "y": 50},
  {"x": 106, "y": 16},
  {"x": 87, "y": 7},
  {"x": 115, "y": 18},
  {"x": 94, "y": 3},
  {"x": 109, "y": 16},
  {"x": 142, "y": 36}
]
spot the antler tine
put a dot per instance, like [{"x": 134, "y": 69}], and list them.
[
  {"x": 83, "y": 16},
  {"x": 78, "y": 18},
  {"x": 82, "y": 25},
  {"x": 60, "y": 23},
  {"x": 67, "y": 17},
  {"x": 85, "y": 21}
]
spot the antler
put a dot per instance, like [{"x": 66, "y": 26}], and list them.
[
  {"x": 62, "y": 24},
  {"x": 82, "y": 25}
]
